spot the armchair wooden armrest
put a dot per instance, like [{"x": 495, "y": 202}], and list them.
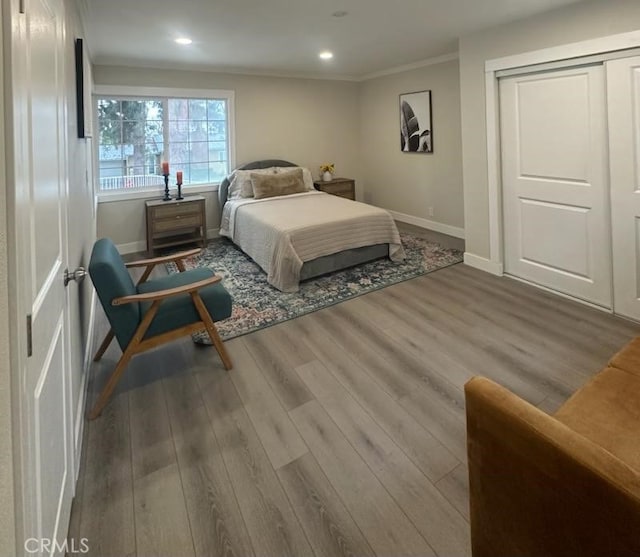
[
  {"x": 153, "y": 261},
  {"x": 164, "y": 258},
  {"x": 162, "y": 294}
]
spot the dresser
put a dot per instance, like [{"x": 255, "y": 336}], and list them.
[
  {"x": 174, "y": 223},
  {"x": 342, "y": 187}
]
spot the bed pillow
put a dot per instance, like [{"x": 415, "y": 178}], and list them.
[
  {"x": 306, "y": 175},
  {"x": 282, "y": 183},
  {"x": 240, "y": 182}
]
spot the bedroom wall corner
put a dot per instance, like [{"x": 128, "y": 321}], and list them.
[{"x": 408, "y": 184}]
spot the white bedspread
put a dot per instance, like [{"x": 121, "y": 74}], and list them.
[{"x": 281, "y": 233}]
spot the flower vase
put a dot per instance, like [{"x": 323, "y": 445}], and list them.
[{"x": 327, "y": 176}]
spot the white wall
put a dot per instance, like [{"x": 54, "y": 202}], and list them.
[
  {"x": 82, "y": 226},
  {"x": 306, "y": 121},
  {"x": 582, "y": 21},
  {"x": 410, "y": 183},
  {"x": 7, "y": 518}
]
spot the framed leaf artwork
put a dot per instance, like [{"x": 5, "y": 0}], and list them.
[{"x": 416, "y": 130}]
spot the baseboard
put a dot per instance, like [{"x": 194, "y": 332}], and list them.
[
  {"x": 483, "y": 264},
  {"x": 79, "y": 425},
  {"x": 132, "y": 247},
  {"x": 141, "y": 246},
  {"x": 428, "y": 224},
  {"x": 82, "y": 400},
  {"x": 563, "y": 295}
]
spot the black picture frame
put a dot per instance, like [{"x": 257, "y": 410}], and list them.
[
  {"x": 416, "y": 122},
  {"x": 79, "y": 51}
]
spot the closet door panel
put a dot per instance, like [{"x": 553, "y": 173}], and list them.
[
  {"x": 623, "y": 91},
  {"x": 554, "y": 176}
]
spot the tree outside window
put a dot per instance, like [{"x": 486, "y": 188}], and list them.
[{"x": 136, "y": 135}]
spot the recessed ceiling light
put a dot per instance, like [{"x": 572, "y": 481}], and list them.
[
  {"x": 184, "y": 40},
  {"x": 326, "y": 55},
  {"x": 339, "y": 13}
]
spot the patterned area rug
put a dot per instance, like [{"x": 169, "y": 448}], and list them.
[{"x": 257, "y": 304}]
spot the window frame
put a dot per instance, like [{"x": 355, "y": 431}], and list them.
[{"x": 127, "y": 92}]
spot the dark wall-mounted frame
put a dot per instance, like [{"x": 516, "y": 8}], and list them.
[
  {"x": 80, "y": 87},
  {"x": 416, "y": 127},
  {"x": 83, "y": 90}
]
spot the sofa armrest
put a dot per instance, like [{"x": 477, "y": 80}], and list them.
[{"x": 538, "y": 488}]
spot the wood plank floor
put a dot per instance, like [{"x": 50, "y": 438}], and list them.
[{"x": 338, "y": 433}]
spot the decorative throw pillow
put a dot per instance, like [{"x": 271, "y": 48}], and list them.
[
  {"x": 306, "y": 174},
  {"x": 283, "y": 183},
  {"x": 240, "y": 183}
]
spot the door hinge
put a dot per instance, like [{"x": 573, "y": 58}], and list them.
[
  {"x": 29, "y": 337},
  {"x": 21, "y": 6}
]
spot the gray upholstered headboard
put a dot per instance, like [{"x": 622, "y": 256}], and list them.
[{"x": 224, "y": 185}]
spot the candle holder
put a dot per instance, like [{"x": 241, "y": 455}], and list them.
[
  {"x": 166, "y": 197},
  {"x": 179, "y": 197}
]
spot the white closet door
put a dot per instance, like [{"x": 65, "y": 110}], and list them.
[
  {"x": 555, "y": 182},
  {"x": 623, "y": 84}
]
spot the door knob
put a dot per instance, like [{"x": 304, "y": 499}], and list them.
[{"x": 77, "y": 275}]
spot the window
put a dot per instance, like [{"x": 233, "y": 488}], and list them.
[{"x": 137, "y": 133}]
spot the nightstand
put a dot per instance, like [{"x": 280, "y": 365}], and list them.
[
  {"x": 342, "y": 187},
  {"x": 174, "y": 223}
]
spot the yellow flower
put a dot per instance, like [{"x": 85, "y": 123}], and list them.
[{"x": 330, "y": 167}]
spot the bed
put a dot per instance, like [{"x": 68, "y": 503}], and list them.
[{"x": 304, "y": 235}]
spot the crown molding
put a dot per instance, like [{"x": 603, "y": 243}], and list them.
[
  {"x": 111, "y": 62},
  {"x": 123, "y": 63},
  {"x": 413, "y": 66}
]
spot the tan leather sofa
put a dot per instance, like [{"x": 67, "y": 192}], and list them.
[{"x": 561, "y": 485}]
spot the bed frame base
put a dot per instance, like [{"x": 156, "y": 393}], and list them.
[{"x": 342, "y": 260}]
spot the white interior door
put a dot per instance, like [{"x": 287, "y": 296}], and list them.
[
  {"x": 39, "y": 121},
  {"x": 623, "y": 87},
  {"x": 555, "y": 190}
]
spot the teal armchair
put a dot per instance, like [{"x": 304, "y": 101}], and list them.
[{"x": 152, "y": 312}]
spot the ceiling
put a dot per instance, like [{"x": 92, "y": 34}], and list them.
[{"x": 285, "y": 36}]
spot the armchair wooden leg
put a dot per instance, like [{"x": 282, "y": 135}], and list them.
[
  {"x": 132, "y": 348},
  {"x": 211, "y": 329},
  {"x": 217, "y": 342},
  {"x": 111, "y": 383},
  {"x": 103, "y": 347}
]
